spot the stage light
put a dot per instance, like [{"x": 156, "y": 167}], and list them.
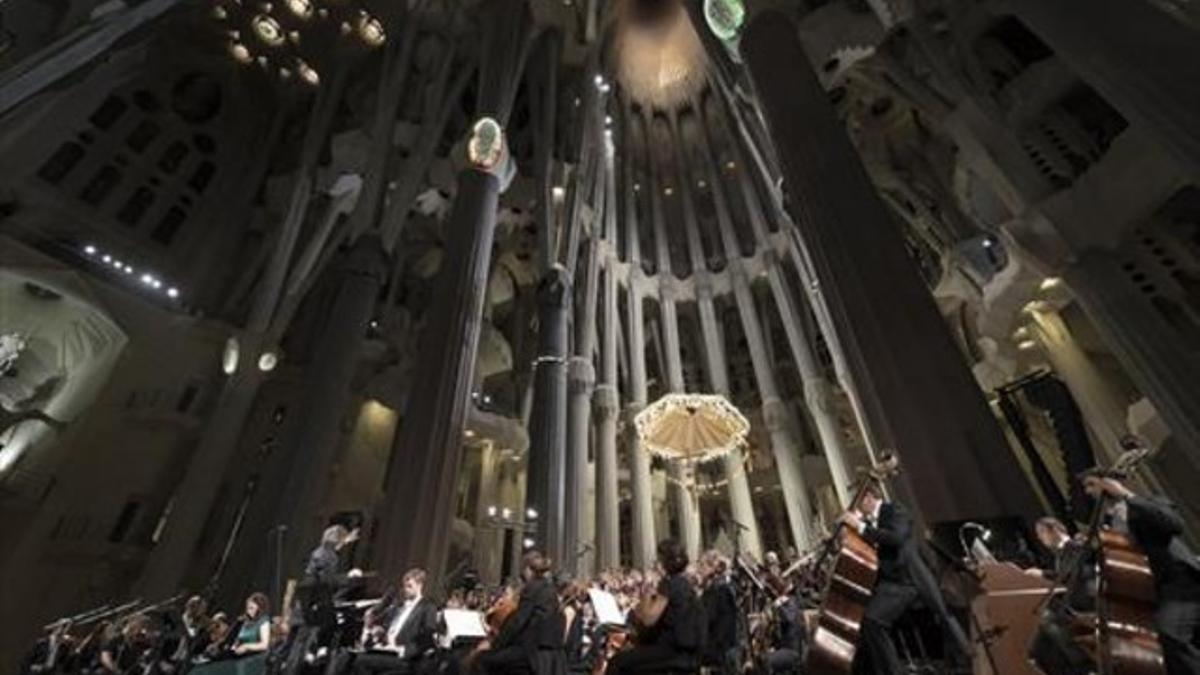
[
  {"x": 558, "y": 192},
  {"x": 506, "y": 513},
  {"x": 107, "y": 259},
  {"x": 491, "y": 511},
  {"x": 89, "y": 249},
  {"x": 172, "y": 292},
  {"x": 528, "y": 542},
  {"x": 531, "y": 513},
  {"x": 469, "y": 433}
]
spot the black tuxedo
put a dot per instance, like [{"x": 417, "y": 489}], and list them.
[
  {"x": 1156, "y": 527},
  {"x": 530, "y": 629},
  {"x": 415, "y": 637},
  {"x": 675, "y": 641},
  {"x": 720, "y": 608},
  {"x": 903, "y": 581}
]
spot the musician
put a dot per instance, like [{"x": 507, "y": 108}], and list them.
[
  {"x": 312, "y": 609},
  {"x": 902, "y": 582},
  {"x": 122, "y": 652},
  {"x": 1156, "y": 527},
  {"x": 51, "y": 653},
  {"x": 1053, "y": 648},
  {"x": 720, "y": 607},
  {"x": 670, "y": 636},
  {"x": 528, "y": 640},
  {"x": 790, "y": 636},
  {"x": 573, "y": 598},
  {"x": 254, "y": 636},
  {"x": 405, "y": 628},
  {"x": 194, "y": 636}
]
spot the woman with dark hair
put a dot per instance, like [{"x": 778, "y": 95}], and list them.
[
  {"x": 531, "y": 640},
  {"x": 670, "y": 623}
]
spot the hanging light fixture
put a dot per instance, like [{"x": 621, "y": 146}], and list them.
[
  {"x": 371, "y": 30},
  {"x": 268, "y": 30}
]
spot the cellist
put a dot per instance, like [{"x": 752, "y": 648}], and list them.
[
  {"x": 903, "y": 580},
  {"x": 1155, "y": 526}
]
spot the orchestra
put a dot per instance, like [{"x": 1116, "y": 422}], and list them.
[{"x": 719, "y": 615}]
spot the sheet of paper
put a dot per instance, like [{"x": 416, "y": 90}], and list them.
[
  {"x": 607, "y": 610},
  {"x": 463, "y": 623}
]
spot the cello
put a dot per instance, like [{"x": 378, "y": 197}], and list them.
[
  {"x": 1125, "y": 634},
  {"x": 848, "y": 588}
]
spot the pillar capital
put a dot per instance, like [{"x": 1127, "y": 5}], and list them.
[
  {"x": 605, "y": 402},
  {"x": 774, "y": 414},
  {"x": 554, "y": 288},
  {"x": 702, "y": 280},
  {"x": 581, "y": 375}
]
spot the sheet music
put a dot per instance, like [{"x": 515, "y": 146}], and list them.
[
  {"x": 607, "y": 610},
  {"x": 463, "y": 623}
]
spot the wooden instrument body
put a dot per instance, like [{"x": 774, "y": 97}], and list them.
[
  {"x": 617, "y": 639},
  {"x": 1125, "y": 627},
  {"x": 844, "y": 604},
  {"x": 1007, "y": 615}
]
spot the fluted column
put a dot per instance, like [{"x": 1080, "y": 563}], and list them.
[
  {"x": 607, "y": 405},
  {"x": 488, "y": 544},
  {"x": 642, "y": 508},
  {"x": 686, "y": 508},
  {"x": 1143, "y": 61},
  {"x": 578, "y": 539},
  {"x": 911, "y": 382},
  {"x": 418, "y": 509}
]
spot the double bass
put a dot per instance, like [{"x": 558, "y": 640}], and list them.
[
  {"x": 1126, "y": 639},
  {"x": 848, "y": 588}
]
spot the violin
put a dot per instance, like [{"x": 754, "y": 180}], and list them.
[
  {"x": 494, "y": 619},
  {"x": 848, "y": 588}
]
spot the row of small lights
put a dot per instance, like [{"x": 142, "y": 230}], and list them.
[
  {"x": 147, "y": 279},
  {"x": 1024, "y": 342},
  {"x": 505, "y": 514}
]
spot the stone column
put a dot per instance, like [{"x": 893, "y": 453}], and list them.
[
  {"x": 915, "y": 391},
  {"x": 684, "y": 499},
  {"x": 741, "y": 504},
  {"x": 1164, "y": 366},
  {"x": 548, "y": 423},
  {"x": 639, "y": 463},
  {"x": 579, "y": 422},
  {"x": 488, "y": 545},
  {"x": 419, "y": 501},
  {"x": 608, "y": 404},
  {"x": 317, "y": 437},
  {"x": 818, "y": 392},
  {"x": 168, "y": 562},
  {"x": 1143, "y": 61}
]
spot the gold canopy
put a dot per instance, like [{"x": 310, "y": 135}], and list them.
[{"x": 691, "y": 427}]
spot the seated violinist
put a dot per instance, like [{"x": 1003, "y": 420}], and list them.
[
  {"x": 400, "y": 631},
  {"x": 1156, "y": 527},
  {"x": 670, "y": 624},
  {"x": 1054, "y": 648},
  {"x": 532, "y": 635},
  {"x": 790, "y": 635},
  {"x": 903, "y": 581}
]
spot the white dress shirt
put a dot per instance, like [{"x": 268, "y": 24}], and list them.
[{"x": 399, "y": 621}]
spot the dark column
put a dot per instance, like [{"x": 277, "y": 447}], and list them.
[
  {"x": 548, "y": 423},
  {"x": 418, "y": 508},
  {"x": 326, "y": 396},
  {"x": 918, "y": 397},
  {"x": 1143, "y": 61}
]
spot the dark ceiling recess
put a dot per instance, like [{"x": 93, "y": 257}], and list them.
[{"x": 652, "y": 12}]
